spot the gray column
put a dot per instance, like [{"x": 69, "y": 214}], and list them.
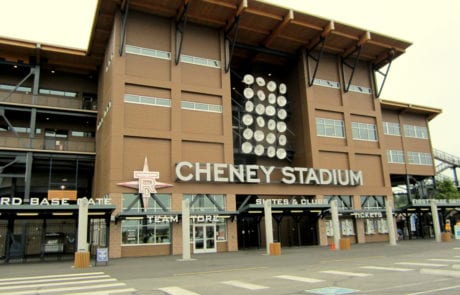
[
  {"x": 435, "y": 216},
  {"x": 82, "y": 225},
  {"x": 335, "y": 223},
  {"x": 268, "y": 224},
  {"x": 185, "y": 230},
  {"x": 390, "y": 222},
  {"x": 28, "y": 176}
]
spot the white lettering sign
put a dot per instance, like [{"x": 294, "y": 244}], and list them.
[
  {"x": 228, "y": 173},
  {"x": 7, "y": 201}
]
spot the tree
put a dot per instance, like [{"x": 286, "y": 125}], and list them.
[{"x": 446, "y": 190}]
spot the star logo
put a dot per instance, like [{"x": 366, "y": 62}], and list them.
[{"x": 146, "y": 184}]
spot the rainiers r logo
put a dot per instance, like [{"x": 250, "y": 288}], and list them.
[{"x": 146, "y": 184}]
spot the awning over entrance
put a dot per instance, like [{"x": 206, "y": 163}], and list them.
[
  {"x": 285, "y": 209},
  {"x": 172, "y": 214},
  {"x": 50, "y": 211}
]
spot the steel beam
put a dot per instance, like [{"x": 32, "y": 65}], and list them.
[
  {"x": 181, "y": 22},
  {"x": 351, "y": 66},
  {"x": 230, "y": 43},
  {"x": 316, "y": 59},
  {"x": 123, "y": 28},
  {"x": 384, "y": 74},
  {"x": 32, "y": 71}
]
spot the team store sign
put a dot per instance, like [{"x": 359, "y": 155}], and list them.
[{"x": 228, "y": 173}]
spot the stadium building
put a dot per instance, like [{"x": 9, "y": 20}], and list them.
[{"x": 227, "y": 104}]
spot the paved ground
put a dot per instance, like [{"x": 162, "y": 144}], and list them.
[{"x": 412, "y": 267}]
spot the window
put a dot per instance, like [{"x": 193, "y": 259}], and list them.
[
  {"x": 57, "y": 92},
  {"x": 132, "y": 203},
  {"x": 147, "y": 100},
  {"x": 375, "y": 225},
  {"x": 200, "y": 61},
  {"x": 210, "y": 204},
  {"x": 416, "y": 131},
  {"x": 330, "y": 128},
  {"x": 347, "y": 226},
  {"x": 390, "y": 128},
  {"x": 82, "y": 134},
  {"x": 148, "y": 52},
  {"x": 11, "y": 87},
  {"x": 364, "y": 131},
  {"x": 343, "y": 202},
  {"x": 206, "y": 202},
  {"x": 56, "y": 133},
  {"x": 395, "y": 156},
  {"x": 417, "y": 158},
  {"x": 140, "y": 232},
  {"x": 372, "y": 202},
  {"x": 145, "y": 231},
  {"x": 198, "y": 106}
]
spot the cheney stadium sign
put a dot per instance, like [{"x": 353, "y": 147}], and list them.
[{"x": 228, "y": 173}]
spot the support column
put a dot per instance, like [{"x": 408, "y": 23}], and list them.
[
  {"x": 185, "y": 230},
  {"x": 82, "y": 254},
  {"x": 335, "y": 223},
  {"x": 28, "y": 176},
  {"x": 268, "y": 224},
  {"x": 435, "y": 216},
  {"x": 390, "y": 222}
]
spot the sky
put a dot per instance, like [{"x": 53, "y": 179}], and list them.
[{"x": 427, "y": 74}]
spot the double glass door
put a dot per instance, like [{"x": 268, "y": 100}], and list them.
[{"x": 204, "y": 238}]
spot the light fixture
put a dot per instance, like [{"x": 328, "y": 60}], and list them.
[
  {"x": 27, "y": 214},
  {"x": 134, "y": 217},
  {"x": 15, "y": 66},
  {"x": 254, "y": 211},
  {"x": 411, "y": 209},
  {"x": 296, "y": 211},
  {"x": 96, "y": 213},
  {"x": 277, "y": 211},
  {"x": 224, "y": 216},
  {"x": 53, "y": 71},
  {"x": 315, "y": 211},
  {"x": 62, "y": 213}
]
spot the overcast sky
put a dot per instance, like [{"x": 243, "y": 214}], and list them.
[{"x": 427, "y": 74}]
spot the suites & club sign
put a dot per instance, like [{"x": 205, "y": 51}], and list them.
[{"x": 228, "y": 173}]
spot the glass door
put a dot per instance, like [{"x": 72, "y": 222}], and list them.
[{"x": 204, "y": 238}]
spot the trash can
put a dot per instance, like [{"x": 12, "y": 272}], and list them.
[
  {"x": 275, "y": 249},
  {"x": 446, "y": 237},
  {"x": 345, "y": 244}
]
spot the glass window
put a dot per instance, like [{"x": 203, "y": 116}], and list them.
[
  {"x": 375, "y": 225},
  {"x": 132, "y": 203},
  {"x": 390, "y": 128},
  {"x": 348, "y": 228},
  {"x": 206, "y": 202},
  {"x": 395, "y": 156},
  {"x": 372, "y": 202},
  {"x": 364, "y": 131},
  {"x": 417, "y": 158},
  {"x": 330, "y": 127},
  {"x": 140, "y": 232},
  {"x": 147, "y": 100},
  {"x": 416, "y": 131},
  {"x": 147, "y": 52},
  {"x": 212, "y": 63},
  {"x": 343, "y": 202},
  {"x": 198, "y": 106}
]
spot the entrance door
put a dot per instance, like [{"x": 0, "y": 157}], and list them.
[{"x": 204, "y": 238}]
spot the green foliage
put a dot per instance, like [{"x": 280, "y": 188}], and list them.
[{"x": 446, "y": 190}]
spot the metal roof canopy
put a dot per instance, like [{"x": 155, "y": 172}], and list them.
[
  {"x": 44, "y": 211},
  {"x": 429, "y": 112},
  {"x": 261, "y": 25}
]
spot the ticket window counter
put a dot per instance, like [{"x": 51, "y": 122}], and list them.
[{"x": 204, "y": 238}]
